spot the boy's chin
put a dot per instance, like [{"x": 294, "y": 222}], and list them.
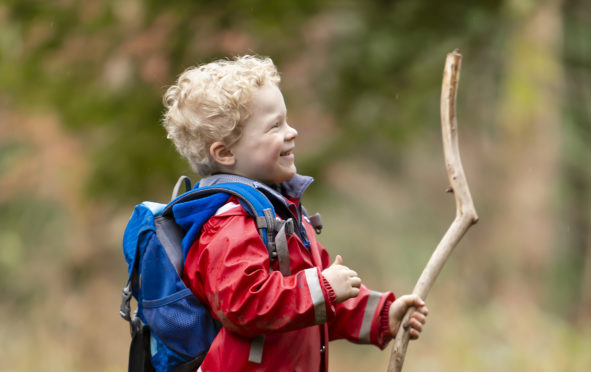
[{"x": 288, "y": 176}]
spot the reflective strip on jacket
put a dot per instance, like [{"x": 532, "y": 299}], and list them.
[{"x": 228, "y": 269}]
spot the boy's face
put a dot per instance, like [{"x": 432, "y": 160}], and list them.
[{"x": 264, "y": 152}]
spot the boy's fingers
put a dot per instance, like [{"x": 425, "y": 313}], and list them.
[
  {"x": 338, "y": 260},
  {"x": 413, "y": 300},
  {"x": 356, "y": 282},
  {"x": 418, "y": 302},
  {"x": 419, "y": 317},
  {"x": 416, "y": 324}
]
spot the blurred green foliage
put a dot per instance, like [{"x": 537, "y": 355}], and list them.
[
  {"x": 576, "y": 157},
  {"x": 76, "y": 41},
  {"x": 385, "y": 70},
  {"x": 379, "y": 66}
]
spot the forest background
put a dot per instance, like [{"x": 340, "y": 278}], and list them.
[{"x": 81, "y": 143}]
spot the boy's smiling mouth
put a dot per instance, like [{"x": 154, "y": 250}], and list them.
[{"x": 287, "y": 152}]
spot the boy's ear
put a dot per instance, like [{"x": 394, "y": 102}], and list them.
[{"x": 221, "y": 154}]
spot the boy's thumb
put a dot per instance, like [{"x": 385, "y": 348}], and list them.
[{"x": 338, "y": 260}]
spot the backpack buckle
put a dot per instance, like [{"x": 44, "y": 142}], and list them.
[
  {"x": 125, "y": 309},
  {"x": 316, "y": 222},
  {"x": 272, "y": 248}
]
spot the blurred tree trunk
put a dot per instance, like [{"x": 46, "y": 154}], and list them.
[
  {"x": 577, "y": 154},
  {"x": 528, "y": 153}
]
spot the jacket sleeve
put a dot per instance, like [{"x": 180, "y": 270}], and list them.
[
  {"x": 362, "y": 319},
  {"x": 232, "y": 266}
]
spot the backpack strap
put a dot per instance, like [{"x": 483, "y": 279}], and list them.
[
  {"x": 191, "y": 365},
  {"x": 139, "y": 352},
  {"x": 284, "y": 229},
  {"x": 139, "y": 349},
  {"x": 171, "y": 235},
  {"x": 257, "y": 205},
  {"x": 177, "y": 187}
]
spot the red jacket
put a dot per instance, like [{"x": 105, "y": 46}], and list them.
[{"x": 228, "y": 269}]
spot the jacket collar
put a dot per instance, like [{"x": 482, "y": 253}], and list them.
[{"x": 293, "y": 188}]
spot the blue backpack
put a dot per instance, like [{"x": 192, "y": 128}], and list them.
[{"x": 171, "y": 329}]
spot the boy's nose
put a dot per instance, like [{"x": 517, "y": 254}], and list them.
[{"x": 292, "y": 133}]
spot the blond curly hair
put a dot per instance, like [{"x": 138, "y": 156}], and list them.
[{"x": 209, "y": 103}]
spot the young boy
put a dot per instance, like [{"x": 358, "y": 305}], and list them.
[{"x": 229, "y": 119}]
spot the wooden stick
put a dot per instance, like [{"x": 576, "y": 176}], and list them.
[{"x": 465, "y": 212}]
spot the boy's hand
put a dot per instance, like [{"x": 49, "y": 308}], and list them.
[
  {"x": 417, "y": 320},
  {"x": 344, "y": 281}
]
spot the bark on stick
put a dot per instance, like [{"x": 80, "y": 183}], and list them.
[{"x": 465, "y": 212}]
